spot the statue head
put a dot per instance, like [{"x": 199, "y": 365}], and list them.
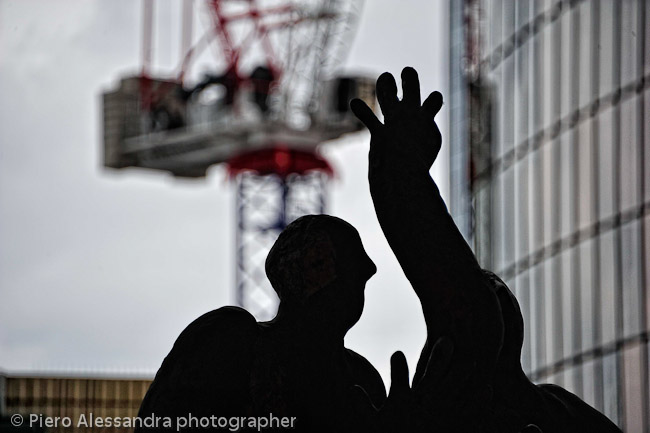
[{"x": 318, "y": 262}]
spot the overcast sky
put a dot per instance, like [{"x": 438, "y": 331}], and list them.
[{"x": 101, "y": 270}]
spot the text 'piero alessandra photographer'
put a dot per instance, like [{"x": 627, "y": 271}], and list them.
[{"x": 234, "y": 423}]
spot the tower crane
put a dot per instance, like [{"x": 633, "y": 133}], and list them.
[{"x": 264, "y": 107}]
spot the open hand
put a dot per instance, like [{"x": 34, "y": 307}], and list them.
[{"x": 409, "y": 131}]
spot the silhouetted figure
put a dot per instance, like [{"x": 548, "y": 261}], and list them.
[
  {"x": 226, "y": 364},
  {"x": 262, "y": 78},
  {"x": 469, "y": 376},
  {"x": 229, "y": 80},
  {"x": 168, "y": 108}
]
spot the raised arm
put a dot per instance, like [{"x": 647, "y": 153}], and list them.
[
  {"x": 456, "y": 299},
  {"x": 409, "y": 207}
]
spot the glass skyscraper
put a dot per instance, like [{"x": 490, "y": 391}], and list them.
[{"x": 550, "y": 178}]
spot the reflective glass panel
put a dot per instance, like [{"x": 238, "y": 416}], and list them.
[
  {"x": 536, "y": 188},
  {"x": 496, "y": 17},
  {"x": 646, "y": 249},
  {"x": 537, "y": 84},
  {"x": 507, "y": 105},
  {"x": 630, "y": 31},
  {"x": 633, "y": 371},
  {"x": 586, "y": 178},
  {"x": 524, "y": 299},
  {"x": 566, "y": 63},
  {"x": 607, "y": 55},
  {"x": 610, "y": 387},
  {"x": 606, "y": 164},
  {"x": 589, "y": 384},
  {"x": 497, "y": 107},
  {"x": 630, "y": 148},
  {"x": 585, "y": 56},
  {"x": 508, "y": 19},
  {"x": 524, "y": 8},
  {"x": 587, "y": 292},
  {"x": 521, "y": 98},
  {"x": 508, "y": 220},
  {"x": 551, "y": 74},
  {"x": 571, "y": 338},
  {"x": 567, "y": 167},
  {"x": 607, "y": 289},
  {"x": 632, "y": 278},
  {"x": 521, "y": 209},
  {"x": 497, "y": 226},
  {"x": 553, "y": 310},
  {"x": 646, "y": 144},
  {"x": 537, "y": 292},
  {"x": 549, "y": 201}
]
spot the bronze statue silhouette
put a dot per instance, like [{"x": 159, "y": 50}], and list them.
[
  {"x": 469, "y": 377},
  {"x": 228, "y": 365}
]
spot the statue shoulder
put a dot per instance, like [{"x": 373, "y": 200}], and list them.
[
  {"x": 214, "y": 352},
  {"x": 219, "y": 326},
  {"x": 221, "y": 336},
  {"x": 574, "y": 412}
]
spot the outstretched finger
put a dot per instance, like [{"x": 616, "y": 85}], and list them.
[
  {"x": 433, "y": 103},
  {"x": 387, "y": 93},
  {"x": 410, "y": 87},
  {"x": 399, "y": 374},
  {"x": 365, "y": 114}
]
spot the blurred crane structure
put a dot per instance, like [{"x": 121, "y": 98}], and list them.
[{"x": 268, "y": 101}]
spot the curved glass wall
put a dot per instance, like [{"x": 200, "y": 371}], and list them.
[{"x": 560, "y": 185}]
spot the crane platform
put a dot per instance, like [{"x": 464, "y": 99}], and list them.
[{"x": 185, "y": 136}]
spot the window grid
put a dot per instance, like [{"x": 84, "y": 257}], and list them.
[{"x": 593, "y": 77}]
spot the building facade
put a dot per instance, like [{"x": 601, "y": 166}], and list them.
[
  {"x": 550, "y": 174},
  {"x": 81, "y": 400}
]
